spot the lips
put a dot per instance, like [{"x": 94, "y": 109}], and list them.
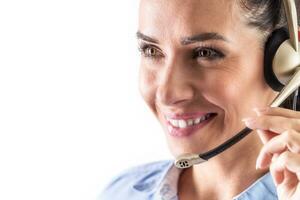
[{"x": 182, "y": 126}]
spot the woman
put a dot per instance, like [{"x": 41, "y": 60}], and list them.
[{"x": 201, "y": 73}]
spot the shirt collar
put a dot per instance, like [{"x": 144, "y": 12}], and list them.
[
  {"x": 155, "y": 179},
  {"x": 164, "y": 187},
  {"x": 167, "y": 189}
]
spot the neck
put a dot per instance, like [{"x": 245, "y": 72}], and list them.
[{"x": 227, "y": 174}]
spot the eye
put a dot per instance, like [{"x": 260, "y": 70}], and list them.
[
  {"x": 150, "y": 51},
  {"x": 207, "y": 53}
]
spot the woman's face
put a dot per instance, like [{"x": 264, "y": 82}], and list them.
[{"x": 201, "y": 70}]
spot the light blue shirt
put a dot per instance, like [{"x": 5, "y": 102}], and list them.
[{"x": 158, "y": 181}]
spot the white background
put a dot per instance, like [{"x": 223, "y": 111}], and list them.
[{"x": 71, "y": 116}]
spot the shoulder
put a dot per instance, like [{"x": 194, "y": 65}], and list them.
[
  {"x": 263, "y": 188},
  {"x": 136, "y": 183}
]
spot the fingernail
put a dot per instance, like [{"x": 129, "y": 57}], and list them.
[
  {"x": 259, "y": 111},
  {"x": 249, "y": 121},
  {"x": 257, "y": 166}
]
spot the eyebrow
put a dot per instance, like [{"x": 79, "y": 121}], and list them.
[
  {"x": 186, "y": 40},
  {"x": 202, "y": 37},
  {"x": 141, "y": 36}
]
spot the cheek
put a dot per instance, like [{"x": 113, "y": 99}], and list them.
[
  {"x": 147, "y": 86},
  {"x": 223, "y": 90},
  {"x": 239, "y": 86}
]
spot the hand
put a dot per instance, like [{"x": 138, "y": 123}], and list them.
[{"x": 279, "y": 130}]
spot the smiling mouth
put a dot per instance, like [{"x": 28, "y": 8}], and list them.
[
  {"x": 186, "y": 127},
  {"x": 183, "y": 123}
]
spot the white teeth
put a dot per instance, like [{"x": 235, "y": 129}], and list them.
[
  {"x": 203, "y": 118},
  {"x": 174, "y": 122},
  {"x": 182, "y": 123},
  {"x": 190, "y": 122},
  {"x": 197, "y": 121}
]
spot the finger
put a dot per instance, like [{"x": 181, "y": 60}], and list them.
[
  {"x": 278, "y": 175},
  {"x": 290, "y": 180},
  {"x": 282, "y": 174},
  {"x": 285, "y": 181},
  {"x": 287, "y": 160},
  {"x": 289, "y": 140},
  {"x": 277, "y": 111},
  {"x": 265, "y": 136},
  {"x": 276, "y": 124}
]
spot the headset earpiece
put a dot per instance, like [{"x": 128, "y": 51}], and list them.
[
  {"x": 282, "y": 56},
  {"x": 276, "y": 38},
  {"x": 282, "y": 63}
]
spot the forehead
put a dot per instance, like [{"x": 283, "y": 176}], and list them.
[{"x": 179, "y": 18}]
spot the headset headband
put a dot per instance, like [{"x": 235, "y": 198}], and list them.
[{"x": 291, "y": 16}]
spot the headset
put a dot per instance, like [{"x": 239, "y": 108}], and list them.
[{"x": 281, "y": 72}]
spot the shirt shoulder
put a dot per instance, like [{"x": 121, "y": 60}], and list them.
[
  {"x": 138, "y": 182},
  {"x": 263, "y": 188}
]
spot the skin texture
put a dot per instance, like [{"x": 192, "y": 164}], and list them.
[{"x": 228, "y": 82}]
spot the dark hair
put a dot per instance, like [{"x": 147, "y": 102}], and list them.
[{"x": 266, "y": 16}]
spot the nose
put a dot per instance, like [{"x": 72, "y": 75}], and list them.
[{"x": 175, "y": 85}]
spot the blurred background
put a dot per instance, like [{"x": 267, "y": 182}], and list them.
[{"x": 71, "y": 116}]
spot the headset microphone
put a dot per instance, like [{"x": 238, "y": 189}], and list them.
[{"x": 281, "y": 71}]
